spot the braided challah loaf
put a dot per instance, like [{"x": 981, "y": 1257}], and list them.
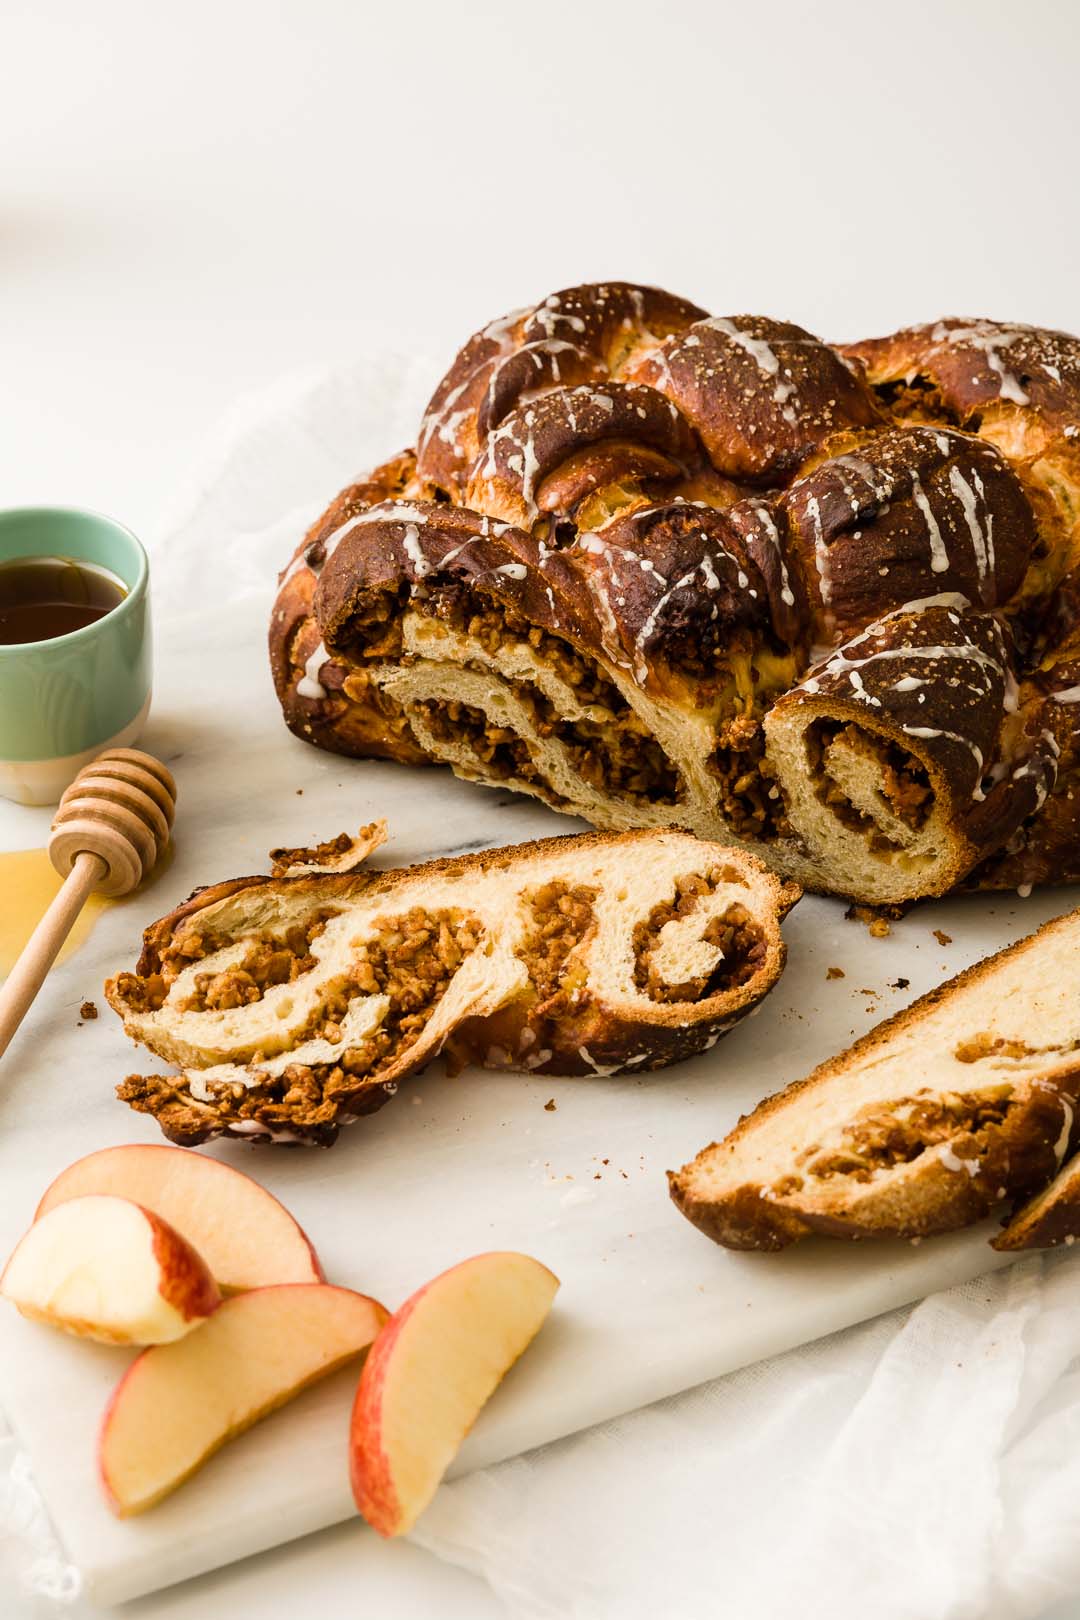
[
  {"x": 656, "y": 568},
  {"x": 294, "y": 1004}
]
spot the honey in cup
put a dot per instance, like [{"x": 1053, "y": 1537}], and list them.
[
  {"x": 44, "y": 597},
  {"x": 75, "y": 646}
]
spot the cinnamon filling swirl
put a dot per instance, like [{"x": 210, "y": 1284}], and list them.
[
  {"x": 891, "y": 786},
  {"x": 411, "y": 960},
  {"x": 880, "y": 1137},
  {"x": 736, "y": 945}
]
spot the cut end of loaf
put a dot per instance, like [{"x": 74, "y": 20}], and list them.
[
  {"x": 966, "y": 1099},
  {"x": 293, "y": 1005}
]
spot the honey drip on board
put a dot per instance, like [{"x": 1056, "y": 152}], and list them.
[{"x": 28, "y": 884}]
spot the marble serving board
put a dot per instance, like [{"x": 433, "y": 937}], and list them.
[{"x": 570, "y": 1170}]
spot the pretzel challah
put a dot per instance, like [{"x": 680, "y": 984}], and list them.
[
  {"x": 657, "y": 568},
  {"x": 295, "y": 1004}
]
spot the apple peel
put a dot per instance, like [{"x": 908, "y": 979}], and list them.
[
  {"x": 247, "y": 1238},
  {"x": 433, "y": 1367},
  {"x": 179, "y": 1403},
  {"x": 106, "y": 1268}
]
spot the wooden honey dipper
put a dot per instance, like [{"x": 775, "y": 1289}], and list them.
[{"x": 109, "y": 831}]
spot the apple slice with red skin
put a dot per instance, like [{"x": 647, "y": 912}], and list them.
[
  {"x": 106, "y": 1268},
  {"x": 179, "y": 1403},
  {"x": 432, "y": 1368},
  {"x": 245, "y": 1236}
]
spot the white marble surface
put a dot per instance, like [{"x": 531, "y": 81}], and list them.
[
  {"x": 449, "y": 1167},
  {"x": 200, "y": 205}
]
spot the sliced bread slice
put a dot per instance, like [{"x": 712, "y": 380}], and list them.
[
  {"x": 963, "y": 1100},
  {"x": 294, "y": 1004}
]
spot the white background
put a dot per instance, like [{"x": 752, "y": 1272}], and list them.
[{"x": 196, "y": 198}]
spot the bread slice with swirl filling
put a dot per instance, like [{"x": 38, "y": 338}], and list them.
[
  {"x": 292, "y": 1005},
  {"x": 965, "y": 1099}
]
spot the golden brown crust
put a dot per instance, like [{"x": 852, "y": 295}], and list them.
[
  {"x": 548, "y": 454},
  {"x": 1051, "y": 1218},
  {"x": 932, "y": 1192},
  {"x": 550, "y": 988},
  {"x": 578, "y": 335},
  {"x": 762, "y": 394},
  {"x": 629, "y": 529},
  {"x": 968, "y": 368},
  {"x": 903, "y": 515},
  {"x": 1045, "y": 848},
  {"x": 1014, "y": 385},
  {"x": 316, "y": 706},
  {"x": 951, "y": 766}
]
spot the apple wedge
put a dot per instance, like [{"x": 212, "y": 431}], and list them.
[
  {"x": 179, "y": 1403},
  {"x": 105, "y": 1268},
  {"x": 245, "y": 1236},
  {"x": 433, "y": 1366}
]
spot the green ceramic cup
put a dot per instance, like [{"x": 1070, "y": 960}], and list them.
[{"x": 62, "y": 701}]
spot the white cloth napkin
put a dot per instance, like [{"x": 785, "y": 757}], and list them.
[{"x": 926, "y": 1464}]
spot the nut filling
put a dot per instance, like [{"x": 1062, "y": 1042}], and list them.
[
  {"x": 879, "y": 1138},
  {"x": 560, "y": 919},
  {"x": 268, "y": 959},
  {"x": 499, "y": 750},
  {"x": 733, "y": 933},
  {"x": 749, "y": 799},
  {"x": 412, "y": 960},
  {"x": 492, "y": 627},
  {"x": 901, "y": 783},
  {"x": 615, "y": 755}
]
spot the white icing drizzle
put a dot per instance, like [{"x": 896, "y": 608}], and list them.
[
  {"x": 944, "y": 599},
  {"x": 309, "y": 685},
  {"x": 821, "y": 551},
  {"x": 1070, "y": 694},
  {"x": 549, "y": 314},
  {"x": 860, "y": 690},
  {"x": 452, "y": 556},
  {"x": 500, "y": 330},
  {"x": 787, "y": 596},
  {"x": 658, "y": 358},
  {"x": 989, "y": 339},
  {"x": 952, "y": 1161},
  {"x": 929, "y": 733},
  {"x": 760, "y": 352},
  {"x": 1062, "y": 1143},
  {"x": 839, "y": 663},
  {"x": 384, "y": 512},
  {"x": 710, "y": 576},
  {"x": 415, "y": 551},
  {"x": 880, "y": 484},
  {"x": 939, "y": 556},
  {"x": 640, "y": 668},
  {"x": 602, "y": 1069},
  {"x": 271, "y": 1133},
  {"x": 512, "y": 570},
  {"x": 981, "y": 543},
  {"x": 549, "y": 348},
  {"x": 442, "y": 421}
]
